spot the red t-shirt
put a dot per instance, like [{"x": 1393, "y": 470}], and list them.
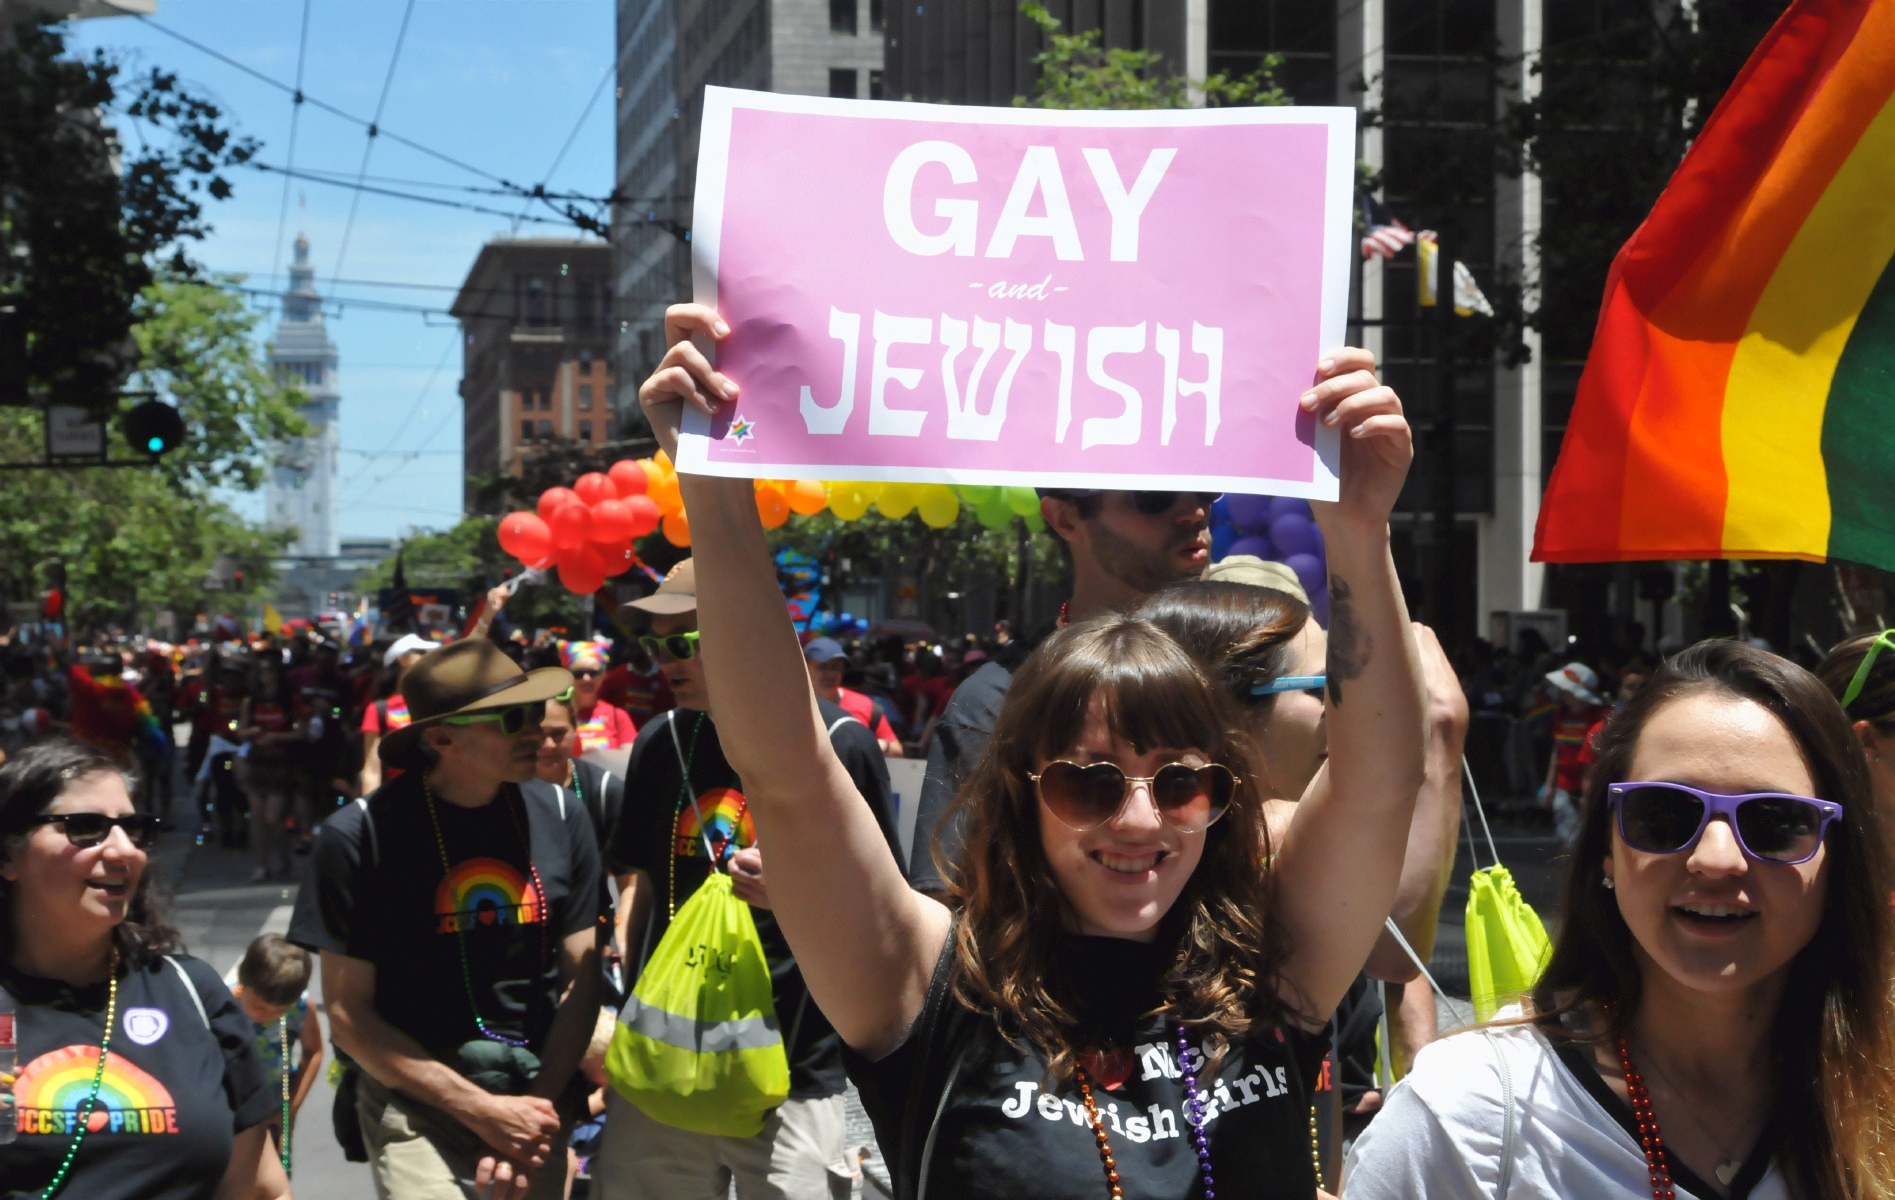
[
  {"x": 1571, "y": 732},
  {"x": 862, "y": 708},
  {"x": 397, "y": 718},
  {"x": 606, "y": 727},
  {"x": 641, "y": 697},
  {"x": 935, "y": 692}
]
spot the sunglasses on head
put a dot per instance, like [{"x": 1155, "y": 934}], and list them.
[
  {"x": 680, "y": 646},
  {"x": 1190, "y": 799},
  {"x": 1861, "y": 678},
  {"x": 513, "y": 718},
  {"x": 86, "y": 829},
  {"x": 1157, "y": 504},
  {"x": 1772, "y": 827},
  {"x": 1293, "y": 683}
]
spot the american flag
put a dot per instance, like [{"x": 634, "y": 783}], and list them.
[{"x": 1386, "y": 236}]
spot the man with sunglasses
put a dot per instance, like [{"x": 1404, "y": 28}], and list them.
[
  {"x": 458, "y": 936},
  {"x": 680, "y": 796},
  {"x": 1122, "y": 547}
]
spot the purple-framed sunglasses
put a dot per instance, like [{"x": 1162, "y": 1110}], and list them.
[{"x": 1772, "y": 827}]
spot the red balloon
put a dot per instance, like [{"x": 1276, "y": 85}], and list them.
[
  {"x": 645, "y": 515},
  {"x": 525, "y": 536},
  {"x": 552, "y": 498},
  {"x": 611, "y": 522},
  {"x": 619, "y": 558},
  {"x": 582, "y": 571},
  {"x": 629, "y": 478},
  {"x": 570, "y": 524},
  {"x": 593, "y": 487}
]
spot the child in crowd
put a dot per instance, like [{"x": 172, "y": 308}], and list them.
[
  {"x": 272, "y": 986},
  {"x": 584, "y": 1141}
]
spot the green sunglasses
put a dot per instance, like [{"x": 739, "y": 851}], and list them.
[
  {"x": 680, "y": 646},
  {"x": 1868, "y": 664},
  {"x": 513, "y": 718}
]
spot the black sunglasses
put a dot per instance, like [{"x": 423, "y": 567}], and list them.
[
  {"x": 87, "y": 829},
  {"x": 680, "y": 646},
  {"x": 1189, "y": 799},
  {"x": 1157, "y": 504}
]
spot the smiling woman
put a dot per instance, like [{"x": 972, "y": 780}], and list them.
[
  {"x": 1716, "y": 1019},
  {"x": 139, "y": 1076}
]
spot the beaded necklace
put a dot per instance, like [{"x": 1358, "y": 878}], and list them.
[
  {"x": 677, "y": 815},
  {"x": 460, "y": 928},
  {"x": 283, "y": 1069},
  {"x": 1649, "y": 1139},
  {"x": 1194, "y": 1116},
  {"x": 98, "y": 1077}
]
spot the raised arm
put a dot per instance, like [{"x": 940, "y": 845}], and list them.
[
  {"x": 1342, "y": 858},
  {"x": 866, "y": 943}
]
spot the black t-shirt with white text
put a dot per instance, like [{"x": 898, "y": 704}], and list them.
[
  {"x": 180, "y": 1082},
  {"x": 520, "y": 877},
  {"x": 659, "y": 833},
  {"x": 1007, "y": 1132}
]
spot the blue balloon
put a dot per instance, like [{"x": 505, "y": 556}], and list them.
[
  {"x": 1259, "y": 546},
  {"x": 1220, "y": 510},
  {"x": 1222, "y": 535},
  {"x": 844, "y": 617},
  {"x": 1284, "y": 505},
  {"x": 1309, "y": 571},
  {"x": 1319, "y": 607},
  {"x": 1293, "y": 534},
  {"x": 1249, "y": 513}
]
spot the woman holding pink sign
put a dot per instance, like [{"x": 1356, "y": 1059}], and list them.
[{"x": 1122, "y": 1002}]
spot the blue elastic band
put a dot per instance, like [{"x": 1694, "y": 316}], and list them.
[{"x": 1291, "y": 683}]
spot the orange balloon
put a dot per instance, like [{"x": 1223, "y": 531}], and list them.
[
  {"x": 677, "y": 528},
  {"x": 664, "y": 463},
  {"x": 665, "y": 491},
  {"x": 771, "y": 507},
  {"x": 807, "y": 497}
]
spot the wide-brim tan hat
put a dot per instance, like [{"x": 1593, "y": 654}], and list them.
[
  {"x": 677, "y": 594},
  {"x": 469, "y": 676}
]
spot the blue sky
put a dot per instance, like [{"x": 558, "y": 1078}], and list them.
[{"x": 496, "y": 84}]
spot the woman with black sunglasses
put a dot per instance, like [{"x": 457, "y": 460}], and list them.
[
  {"x": 1123, "y": 1004},
  {"x": 135, "y": 1072},
  {"x": 1716, "y": 1018}
]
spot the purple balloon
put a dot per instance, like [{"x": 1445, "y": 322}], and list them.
[
  {"x": 1284, "y": 505},
  {"x": 1309, "y": 571},
  {"x": 1259, "y": 546},
  {"x": 1319, "y": 607},
  {"x": 1292, "y": 534},
  {"x": 1249, "y": 513}
]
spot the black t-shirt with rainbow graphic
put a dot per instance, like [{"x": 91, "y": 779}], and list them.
[
  {"x": 181, "y": 1079},
  {"x": 520, "y": 877}
]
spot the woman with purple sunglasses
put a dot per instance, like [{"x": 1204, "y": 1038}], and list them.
[{"x": 1716, "y": 1019}]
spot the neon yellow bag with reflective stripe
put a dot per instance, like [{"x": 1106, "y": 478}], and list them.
[
  {"x": 697, "y": 1044},
  {"x": 1507, "y": 946}
]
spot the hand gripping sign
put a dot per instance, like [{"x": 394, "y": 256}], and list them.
[{"x": 930, "y": 293}]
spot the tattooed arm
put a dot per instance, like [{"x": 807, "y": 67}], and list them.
[{"x": 1342, "y": 857}]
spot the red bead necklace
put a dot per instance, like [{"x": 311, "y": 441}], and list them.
[{"x": 1649, "y": 1138}]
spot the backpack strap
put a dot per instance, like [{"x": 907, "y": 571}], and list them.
[
  {"x": 1510, "y": 1124},
  {"x": 917, "y": 1144},
  {"x": 190, "y": 986},
  {"x": 838, "y": 723},
  {"x": 381, "y": 717},
  {"x": 561, "y": 793}
]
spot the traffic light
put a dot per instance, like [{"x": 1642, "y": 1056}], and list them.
[{"x": 153, "y": 427}]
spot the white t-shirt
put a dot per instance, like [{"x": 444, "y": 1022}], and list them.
[{"x": 1439, "y": 1135}]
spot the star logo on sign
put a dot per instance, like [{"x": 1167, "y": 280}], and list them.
[{"x": 740, "y": 429}]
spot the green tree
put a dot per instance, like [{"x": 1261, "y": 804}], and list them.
[
  {"x": 1076, "y": 71},
  {"x": 79, "y": 238},
  {"x": 468, "y": 557}
]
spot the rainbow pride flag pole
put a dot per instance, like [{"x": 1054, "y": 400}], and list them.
[{"x": 1739, "y": 400}]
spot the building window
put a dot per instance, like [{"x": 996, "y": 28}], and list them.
[
  {"x": 585, "y": 361},
  {"x": 585, "y": 397},
  {"x": 842, "y": 82},
  {"x": 842, "y": 17},
  {"x": 875, "y": 16},
  {"x": 585, "y": 431},
  {"x": 546, "y": 431},
  {"x": 546, "y": 400},
  {"x": 526, "y": 431},
  {"x": 875, "y": 85},
  {"x": 536, "y": 306},
  {"x": 584, "y": 315}
]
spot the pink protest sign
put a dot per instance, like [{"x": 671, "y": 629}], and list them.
[{"x": 929, "y": 293}]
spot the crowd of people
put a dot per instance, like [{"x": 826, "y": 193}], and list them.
[{"x": 1177, "y": 867}]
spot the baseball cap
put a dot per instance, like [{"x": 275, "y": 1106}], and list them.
[
  {"x": 1577, "y": 679},
  {"x": 407, "y": 643},
  {"x": 822, "y": 650},
  {"x": 1257, "y": 572},
  {"x": 677, "y": 594}
]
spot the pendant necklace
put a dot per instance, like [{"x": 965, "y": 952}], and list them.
[
  {"x": 1727, "y": 1168},
  {"x": 98, "y": 1077},
  {"x": 1194, "y": 1117}
]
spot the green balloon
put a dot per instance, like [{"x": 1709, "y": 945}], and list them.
[
  {"x": 1036, "y": 522},
  {"x": 994, "y": 514},
  {"x": 1024, "y": 501},
  {"x": 974, "y": 495}
]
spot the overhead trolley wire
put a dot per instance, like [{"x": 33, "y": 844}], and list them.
[
  {"x": 437, "y": 200},
  {"x": 540, "y": 191},
  {"x": 374, "y": 127},
  {"x": 296, "y": 112}
]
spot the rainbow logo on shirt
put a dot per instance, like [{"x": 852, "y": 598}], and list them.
[
  {"x": 484, "y": 892},
  {"x": 726, "y": 824},
  {"x": 51, "y": 1093}
]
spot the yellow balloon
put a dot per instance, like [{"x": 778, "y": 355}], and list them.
[
  {"x": 939, "y": 506},
  {"x": 897, "y": 500},
  {"x": 848, "y": 500}
]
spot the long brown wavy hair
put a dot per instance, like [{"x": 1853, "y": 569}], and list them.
[
  {"x": 1834, "y": 1037},
  {"x": 1223, "y": 977}
]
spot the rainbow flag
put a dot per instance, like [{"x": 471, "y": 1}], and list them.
[{"x": 1739, "y": 400}]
